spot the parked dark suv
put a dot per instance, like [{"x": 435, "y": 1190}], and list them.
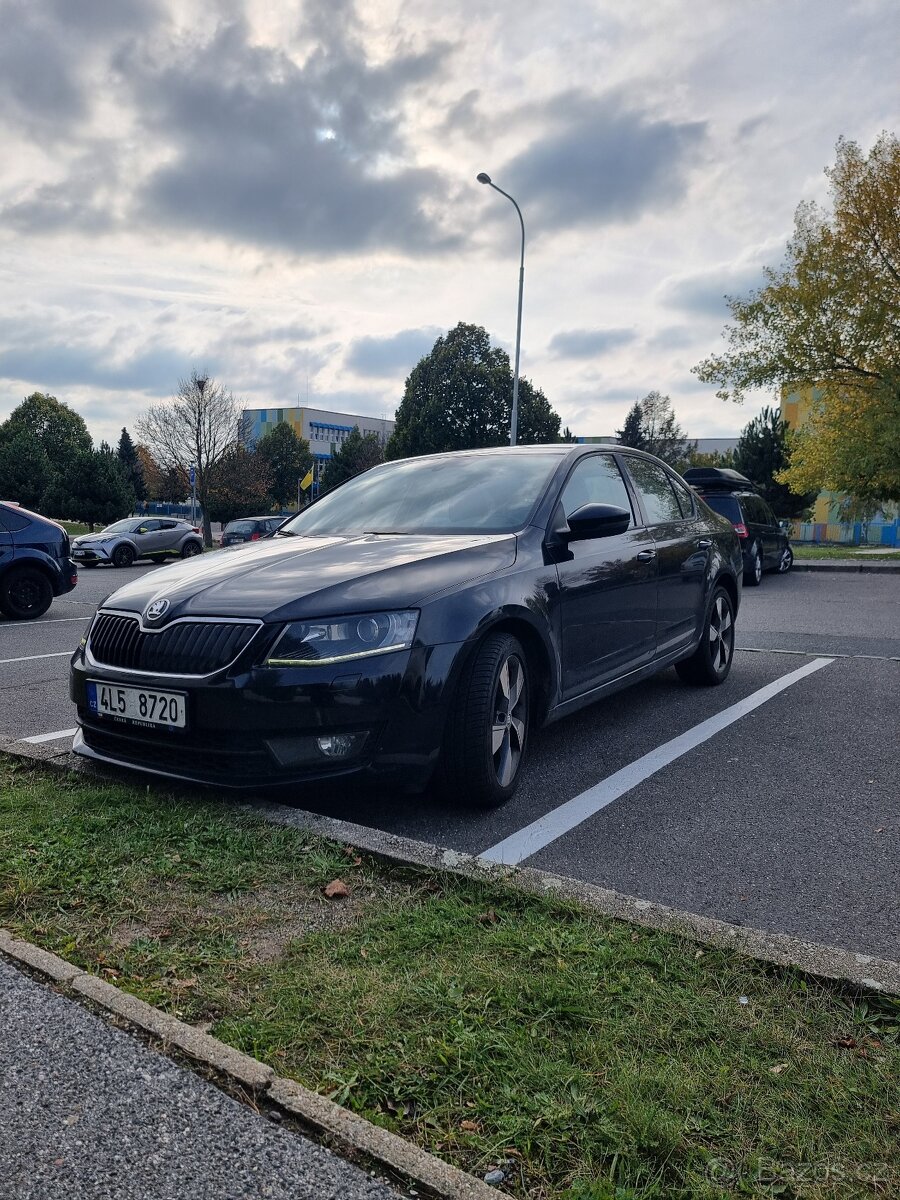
[
  {"x": 34, "y": 563},
  {"x": 764, "y": 543}
]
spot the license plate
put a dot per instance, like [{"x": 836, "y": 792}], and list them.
[
  {"x": 140, "y": 706},
  {"x": 80, "y": 554}
]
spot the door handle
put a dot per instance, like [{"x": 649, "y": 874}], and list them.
[
  {"x": 704, "y": 543},
  {"x": 647, "y": 556}
]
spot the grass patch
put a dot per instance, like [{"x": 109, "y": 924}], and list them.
[
  {"x": 842, "y": 552},
  {"x": 75, "y": 528},
  {"x": 593, "y": 1059}
]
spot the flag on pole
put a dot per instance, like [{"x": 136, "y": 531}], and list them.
[{"x": 307, "y": 479}]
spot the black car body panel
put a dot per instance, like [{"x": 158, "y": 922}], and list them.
[{"x": 593, "y": 615}]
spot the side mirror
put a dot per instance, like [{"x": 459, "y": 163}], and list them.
[{"x": 597, "y": 520}]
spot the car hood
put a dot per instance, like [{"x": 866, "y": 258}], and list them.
[
  {"x": 291, "y": 578},
  {"x": 89, "y": 539}
]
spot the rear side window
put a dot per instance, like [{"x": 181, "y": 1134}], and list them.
[
  {"x": 13, "y": 520},
  {"x": 726, "y": 505},
  {"x": 655, "y": 489},
  {"x": 685, "y": 497}
]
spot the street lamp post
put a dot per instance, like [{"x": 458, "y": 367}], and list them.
[{"x": 483, "y": 177}]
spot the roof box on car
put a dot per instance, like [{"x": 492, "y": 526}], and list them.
[{"x": 721, "y": 479}]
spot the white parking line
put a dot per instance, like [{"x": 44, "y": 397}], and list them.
[
  {"x": 32, "y": 657},
  {"x": 49, "y": 621},
  {"x": 50, "y": 737},
  {"x": 521, "y": 845}
]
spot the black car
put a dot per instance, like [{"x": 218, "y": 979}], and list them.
[
  {"x": 765, "y": 542},
  {"x": 35, "y": 563},
  {"x": 249, "y": 529},
  {"x": 419, "y": 620}
]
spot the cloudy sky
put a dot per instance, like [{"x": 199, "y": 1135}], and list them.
[{"x": 283, "y": 195}]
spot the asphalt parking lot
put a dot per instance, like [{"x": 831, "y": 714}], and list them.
[{"x": 771, "y": 801}]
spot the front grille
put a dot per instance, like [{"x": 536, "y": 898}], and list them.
[{"x": 185, "y": 648}]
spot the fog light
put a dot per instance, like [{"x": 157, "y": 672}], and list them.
[{"x": 340, "y": 745}]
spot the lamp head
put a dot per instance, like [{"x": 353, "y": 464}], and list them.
[{"x": 483, "y": 177}]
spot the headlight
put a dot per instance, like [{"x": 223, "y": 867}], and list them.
[{"x": 341, "y": 639}]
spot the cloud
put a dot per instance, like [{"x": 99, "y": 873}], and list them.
[
  {"x": 59, "y": 365},
  {"x": 702, "y": 293},
  {"x": 46, "y": 49},
  {"x": 589, "y": 343},
  {"x": 396, "y": 355},
  {"x": 603, "y": 160},
  {"x": 310, "y": 159}
]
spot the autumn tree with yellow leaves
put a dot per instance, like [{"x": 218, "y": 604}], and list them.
[{"x": 830, "y": 317}]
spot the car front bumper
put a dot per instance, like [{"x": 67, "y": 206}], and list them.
[
  {"x": 259, "y": 727},
  {"x": 91, "y": 554}
]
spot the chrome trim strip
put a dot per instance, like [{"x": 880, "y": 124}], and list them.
[{"x": 123, "y": 671}]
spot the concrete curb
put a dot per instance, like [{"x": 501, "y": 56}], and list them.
[
  {"x": 832, "y": 962},
  {"x": 852, "y": 565},
  {"x": 336, "y": 1126}
]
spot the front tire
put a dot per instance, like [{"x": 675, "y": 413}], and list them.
[
  {"x": 487, "y": 730},
  {"x": 753, "y": 574},
  {"x": 25, "y": 593},
  {"x": 123, "y": 556},
  {"x": 786, "y": 561},
  {"x": 710, "y": 663}
]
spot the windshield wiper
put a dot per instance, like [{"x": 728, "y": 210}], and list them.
[{"x": 285, "y": 533}]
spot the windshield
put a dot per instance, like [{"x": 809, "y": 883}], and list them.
[
  {"x": 240, "y": 527},
  {"x": 483, "y": 493},
  {"x": 121, "y": 526}
]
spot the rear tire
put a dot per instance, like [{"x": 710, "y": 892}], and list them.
[
  {"x": 25, "y": 593},
  {"x": 487, "y": 731},
  {"x": 191, "y": 549},
  {"x": 123, "y": 556},
  {"x": 710, "y": 663},
  {"x": 753, "y": 576}
]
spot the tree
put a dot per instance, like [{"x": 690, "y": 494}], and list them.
[
  {"x": 829, "y": 318},
  {"x": 26, "y": 472},
  {"x": 131, "y": 464},
  {"x": 59, "y": 430},
  {"x": 198, "y": 427},
  {"x": 651, "y": 426},
  {"x": 632, "y": 432},
  {"x": 92, "y": 487},
  {"x": 459, "y": 396},
  {"x": 287, "y": 459},
  {"x": 238, "y": 485},
  {"x": 761, "y": 454},
  {"x": 711, "y": 458},
  {"x": 357, "y": 453}
]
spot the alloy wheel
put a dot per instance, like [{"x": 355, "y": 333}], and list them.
[
  {"x": 510, "y": 714},
  {"x": 787, "y": 560},
  {"x": 721, "y": 634}
]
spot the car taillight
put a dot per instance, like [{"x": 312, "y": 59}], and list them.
[
  {"x": 254, "y": 537},
  {"x": 740, "y": 528},
  {"x": 196, "y": 528}
]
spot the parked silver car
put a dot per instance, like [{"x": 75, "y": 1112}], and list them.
[{"x": 137, "y": 537}]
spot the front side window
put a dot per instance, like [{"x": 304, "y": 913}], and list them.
[
  {"x": 595, "y": 480},
  {"x": 657, "y": 495}
]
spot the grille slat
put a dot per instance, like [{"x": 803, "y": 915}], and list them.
[{"x": 185, "y": 648}]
